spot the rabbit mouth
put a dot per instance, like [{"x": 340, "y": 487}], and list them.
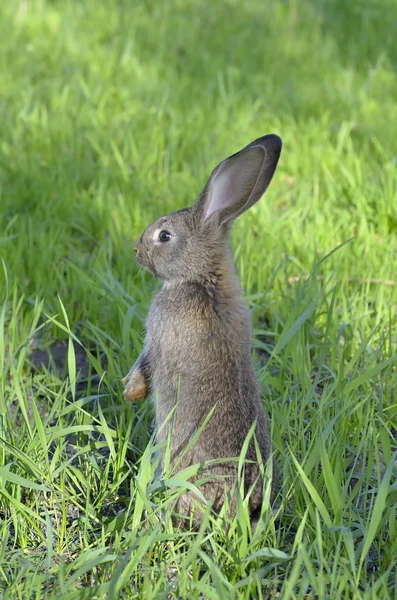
[
  {"x": 145, "y": 264},
  {"x": 141, "y": 261}
]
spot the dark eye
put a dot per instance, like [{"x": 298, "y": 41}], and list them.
[{"x": 164, "y": 236}]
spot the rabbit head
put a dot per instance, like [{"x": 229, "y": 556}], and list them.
[{"x": 183, "y": 245}]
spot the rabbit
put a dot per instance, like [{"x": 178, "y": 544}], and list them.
[{"x": 197, "y": 352}]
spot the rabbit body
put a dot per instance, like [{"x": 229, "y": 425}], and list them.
[{"x": 197, "y": 352}]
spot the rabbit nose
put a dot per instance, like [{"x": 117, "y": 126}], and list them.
[{"x": 137, "y": 244}]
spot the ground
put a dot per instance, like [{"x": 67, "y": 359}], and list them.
[{"x": 114, "y": 113}]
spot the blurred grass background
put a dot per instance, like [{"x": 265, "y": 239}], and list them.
[{"x": 114, "y": 113}]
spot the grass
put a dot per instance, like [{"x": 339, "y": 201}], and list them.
[{"x": 112, "y": 114}]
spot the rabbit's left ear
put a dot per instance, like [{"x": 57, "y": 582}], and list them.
[{"x": 239, "y": 181}]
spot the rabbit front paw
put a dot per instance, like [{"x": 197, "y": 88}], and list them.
[{"x": 136, "y": 385}]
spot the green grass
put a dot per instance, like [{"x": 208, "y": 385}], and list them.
[{"x": 113, "y": 113}]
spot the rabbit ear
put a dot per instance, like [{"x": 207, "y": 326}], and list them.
[{"x": 240, "y": 180}]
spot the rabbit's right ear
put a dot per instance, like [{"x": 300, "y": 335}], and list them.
[{"x": 239, "y": 181}]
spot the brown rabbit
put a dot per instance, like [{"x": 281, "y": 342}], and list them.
[{"x": 197, "y": 352}]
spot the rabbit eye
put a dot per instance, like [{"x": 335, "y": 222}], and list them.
[{"x": 164, "y": 236}]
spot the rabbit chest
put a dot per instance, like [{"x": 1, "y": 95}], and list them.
[
  {"x": 177, "y": 330},
  {"x": 196, "y": 353}
]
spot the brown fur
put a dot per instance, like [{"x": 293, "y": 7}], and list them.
[{"x": 197, "y": 351}]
